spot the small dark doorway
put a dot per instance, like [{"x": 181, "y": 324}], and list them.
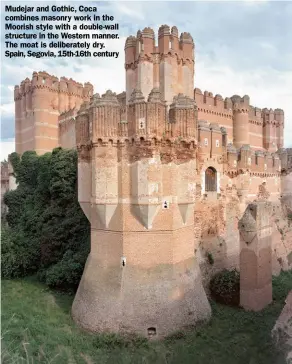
[{"x": 210, "y": 180}]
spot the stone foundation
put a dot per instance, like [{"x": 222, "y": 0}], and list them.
[{"x": 132, "y": 299}]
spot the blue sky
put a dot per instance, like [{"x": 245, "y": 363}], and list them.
[{"x": 241, "y": 48}]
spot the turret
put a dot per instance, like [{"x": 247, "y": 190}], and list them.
[
  {"x": 174, "y": 39},
  {"x": 137, "y": 115},
  {"x": 38, "y": 104},
  {"x": 105, "y": 116},
  {"x": 269, "y": 130},
  {"x": 279, "y": 117},
  {"x": 164, "y": 39},
  {"x": 182, "y": 117},
  {"x": 228, "y": 103},
  {"x": 156, "y": 114},
  {"x": 240, "y": 120},
  {"x": 87, "y": 90},
  {"x": 187, "y": 46},
  {"x": 169, "y": 66}
]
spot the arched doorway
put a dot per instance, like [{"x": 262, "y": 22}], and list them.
[{"x": 211, "y": 180}]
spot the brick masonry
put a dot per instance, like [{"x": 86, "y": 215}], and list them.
[{"x": 165, "y": 173}]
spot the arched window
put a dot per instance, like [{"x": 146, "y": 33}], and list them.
[{"x": 210, "y": 180}]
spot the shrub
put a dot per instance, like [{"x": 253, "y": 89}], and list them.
[
  {"x": 48, "y": 232},
  {"x": 225, "y": 287},
  {"x": 19, "y": 255}
]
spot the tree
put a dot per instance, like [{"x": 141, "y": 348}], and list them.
[{"x": 45, "y": 219}]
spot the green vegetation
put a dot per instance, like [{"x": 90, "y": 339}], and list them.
[
  {"x": 47, "y": 232},
  {"x": 37, "y": 328},
  {"x": 210, "y": 258},
  {"x": 224, "y": 287},
  {"x": 47, "y": 236}
]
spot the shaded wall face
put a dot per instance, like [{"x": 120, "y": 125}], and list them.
[
  {"x": 130, "y": 224},
  {"x": 286, "y": 184},
  {"x": 67, "y": 135},
  {"x": 256, "y": 136},
  {"x": 219, "y": 116},
  {"x": 38, "y": 104}
]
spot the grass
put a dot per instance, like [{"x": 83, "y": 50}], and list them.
[{"x": 37, "y": 328}]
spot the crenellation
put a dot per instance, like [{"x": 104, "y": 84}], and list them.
[
  {"x": 163, "y": 169},
  {"x": 182, "y": 117},
  {"x": 38, "y": 103},
  {"x": 228, "y": 103}
]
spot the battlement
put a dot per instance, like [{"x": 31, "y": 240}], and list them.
[
  {"x": 146, "y": 119},
  {"x": 43, "y": 80},
  {"x": 167, "y": 65},
  {"x": 206, "y": 98},
  {"x": 169, "y": 40},
  {"x": 245, "y": 159}
]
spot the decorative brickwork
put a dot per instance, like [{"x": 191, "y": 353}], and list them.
[{"x": 145, "y": 158}]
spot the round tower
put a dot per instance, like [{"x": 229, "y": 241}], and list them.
[
  {"x": 279, "y": 117},
  {"x": 240, "y": 120}
]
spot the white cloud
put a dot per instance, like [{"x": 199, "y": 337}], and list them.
[
  {"x": 7, "y": 147},
  {"x": 241, "y": 61},
  {"x": 7, "y": 108}
]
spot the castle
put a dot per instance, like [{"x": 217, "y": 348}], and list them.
[{"x": 165, "y": 172}]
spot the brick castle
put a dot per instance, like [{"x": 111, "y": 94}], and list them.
[{"x": 165, "y": 172}]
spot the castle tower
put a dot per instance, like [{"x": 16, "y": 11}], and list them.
[
  {"x": 240, "y": 120},
  {"x": 169, "y": 66},
  {"x": 38, "y": 104},
  {"x": 279, "y": 117},
  {"x": 137, "y": 188},
  {"x": 270, "y": 137}
]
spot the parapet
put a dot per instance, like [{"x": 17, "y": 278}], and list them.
[
  {"x": 203, "y": 125},
  {"x": 245, "y": 147},
  {"x": 255, "y": 112},
  {"x": 183, "y": 102},
  {"x": 169, "y": 42},
  {"x": 163, "y": 30},
  {"x": 109, "y": 98},
  {"x": 231, "y": 148},
  {"x": 186, "y": 38},
  {"x": 136, "y": 97},
  {"x": 215, "y": 127},
  {"x": 122, "y": 98},
  {"x": 217, "y": 101},
  {"x": 240, "y": 104},
  {"x": 148, "y": 33},
  {"x": 43, "y": 80},
  {"x": 130, "y": 42},
  {"x": 155, "y": 96}
]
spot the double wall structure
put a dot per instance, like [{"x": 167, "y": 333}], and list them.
[{"x": 165, "y": 172}]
